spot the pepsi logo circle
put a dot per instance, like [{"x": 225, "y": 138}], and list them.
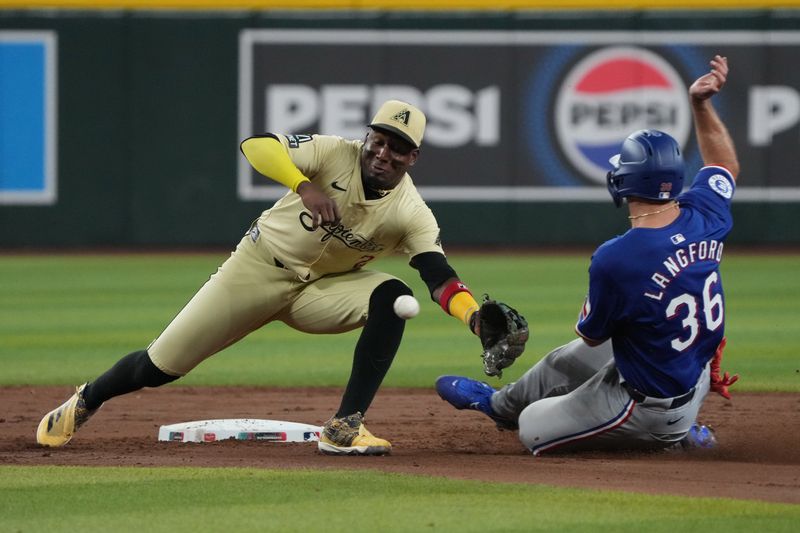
[{"x": 608, "y": 95}]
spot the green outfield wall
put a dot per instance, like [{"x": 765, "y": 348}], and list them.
[
  {"x": 120, "y": 126},
  {"x": 393, "y": 5}
]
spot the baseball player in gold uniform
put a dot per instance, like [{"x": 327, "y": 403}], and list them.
[{"x": 303, "y": 262}]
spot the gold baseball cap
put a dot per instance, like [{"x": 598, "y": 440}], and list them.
[{"x": 401, "y": 118}]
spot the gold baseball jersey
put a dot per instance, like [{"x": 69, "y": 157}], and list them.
[
  {"x": 283, "y": 270},
  {"x": 400, "y": 221}
]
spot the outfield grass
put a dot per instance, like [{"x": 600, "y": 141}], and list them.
[
  {"x": 181, "y": 499},
  {"x": 66, "y": 318}
]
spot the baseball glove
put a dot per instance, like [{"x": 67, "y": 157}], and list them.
[{"x": 503, "y": 333}]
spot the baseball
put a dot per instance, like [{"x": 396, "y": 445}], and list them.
[{"x": 406, "y": 307}]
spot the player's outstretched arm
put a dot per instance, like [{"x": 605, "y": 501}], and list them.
[
  {"x": 445, "y": 286},
  {"x": 456, "y": 300},
  {"x": 716, "y": 144},
  {"x": 502, "y": 330}
]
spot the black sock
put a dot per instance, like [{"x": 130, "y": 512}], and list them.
[
  {"x": 375, "y": 349},
  {"x": 129, "y": 374}
]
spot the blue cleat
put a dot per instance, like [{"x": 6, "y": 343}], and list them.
[
  {"x": 699, "y": 436},
  {"x": 465, "y": 393}
]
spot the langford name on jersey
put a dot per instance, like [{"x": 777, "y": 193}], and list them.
[{"x": 682, "y": 258}]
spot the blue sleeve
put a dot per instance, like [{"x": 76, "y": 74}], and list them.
[
  {"x": 712, "y": 190},
  {"x": 600, "y": 309}
]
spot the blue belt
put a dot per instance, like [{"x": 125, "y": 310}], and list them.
[{"x": 640, "y": 397}]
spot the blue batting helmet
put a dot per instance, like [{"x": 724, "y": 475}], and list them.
[{"x": 649, "y": 165}]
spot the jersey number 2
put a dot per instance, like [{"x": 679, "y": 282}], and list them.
[{"x": 713, "y": 312}]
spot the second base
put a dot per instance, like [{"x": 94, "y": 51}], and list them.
[{"x": 239, "y": 429}]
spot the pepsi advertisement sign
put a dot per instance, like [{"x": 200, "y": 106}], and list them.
[
  {"x": 610, "y": 93},
  {"x": 522, "y": 115}
]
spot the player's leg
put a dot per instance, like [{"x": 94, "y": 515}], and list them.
[
  {"x": 376, "y": 347},
  {"x": 341, "y": 303},
  {"x": 580, "y": 419},
  {"x": 344, "y": 302},
  {"x": 244, "y": 294},
  {"x": 131, "y": 373},
  {"x": 602, "y": 415},
  {"x": 240, "y": 297},
  {"x": 559, "y": 372}
]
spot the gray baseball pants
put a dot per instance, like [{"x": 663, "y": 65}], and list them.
[{"x": 573, "y": 399}]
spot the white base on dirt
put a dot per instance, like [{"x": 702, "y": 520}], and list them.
[{"x": 239, "y": 429}]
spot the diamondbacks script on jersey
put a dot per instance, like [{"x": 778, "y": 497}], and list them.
[
  {"x": 657, "y": 293},
  {"x": 399, "y": 222}
]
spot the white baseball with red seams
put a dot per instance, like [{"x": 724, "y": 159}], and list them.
[{"x": 406, "y": 307}]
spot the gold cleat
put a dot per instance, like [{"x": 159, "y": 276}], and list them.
[
  {"x": 349, "y": 436},
  {"x": 58, "y": 426}
]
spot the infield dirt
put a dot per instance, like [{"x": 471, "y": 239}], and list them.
[{"x": 758, "y": 456}]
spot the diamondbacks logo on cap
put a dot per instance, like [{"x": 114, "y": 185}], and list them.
[
  {"x": 397, "y": 117},
  {"x": 402, "y": 116}
]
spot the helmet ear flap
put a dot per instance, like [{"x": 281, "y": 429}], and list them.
[{"x": 613, "y": 182}]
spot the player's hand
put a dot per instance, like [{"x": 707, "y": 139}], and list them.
[
  {"x": 720, "y": 384},
  {"x": 322, "y": 207},
  {"x": 710, "y": 84}
]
